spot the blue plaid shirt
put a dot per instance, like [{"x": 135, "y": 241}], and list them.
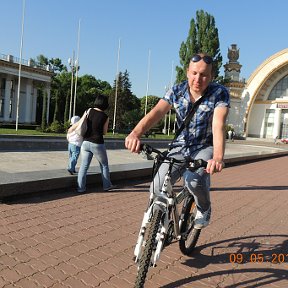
[{"x": 198, "y": 134}]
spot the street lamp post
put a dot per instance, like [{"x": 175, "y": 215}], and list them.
[
  {"x": 75, "y": 90},
  {"x": 71, "y": 63},
  {"x": 164, "y": 130},
  {"x": 77, "y": 67},
  {"x": 20, "y": 63},
  {"x": 171, "y": 84},
  {"x": 116, "y": 90},
  {"x": 147, "y": 86}
]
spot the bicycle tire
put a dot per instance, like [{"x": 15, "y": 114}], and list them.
[
  {"x": 188, "y": 243},
  {"x": 145, "y": 261}
]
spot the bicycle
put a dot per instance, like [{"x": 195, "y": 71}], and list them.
[{"x": 162, "y": 222}]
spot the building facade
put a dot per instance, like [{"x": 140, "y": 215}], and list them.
[
  {"x": 33, "y": 78},
  {"x": 259, "y": 107}
]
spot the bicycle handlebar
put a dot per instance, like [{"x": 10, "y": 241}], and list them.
[{"x": 192, "y": 164}]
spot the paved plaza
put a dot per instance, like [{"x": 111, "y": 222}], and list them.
[{"x": 63, "y": 239}]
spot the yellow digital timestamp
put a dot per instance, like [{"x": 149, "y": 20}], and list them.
[{"x": 274, "y": 258}]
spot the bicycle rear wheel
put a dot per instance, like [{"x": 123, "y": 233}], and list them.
[
  {"x": 190, "y": 234},
  {"x": 145, "y": 261}
]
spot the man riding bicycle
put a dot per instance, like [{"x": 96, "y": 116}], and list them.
[{"x": 203, "y": 137}]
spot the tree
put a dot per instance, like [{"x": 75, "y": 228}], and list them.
[
  {"x": 60, "y": 85},
  {"x": 42, "y": 59},
  {"x": 202, "y": 37},
  {"x": 88, "y": 88},
  {"x": 151, "y": 102},
  {"x": 60, "y": 96},
  {"x": 126, "y": 102},
  {"x": 57, "y": 65}
]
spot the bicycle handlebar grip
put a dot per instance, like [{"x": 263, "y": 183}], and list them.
[
  {"x": 149, "y": 149},
  {"x": 146, "y": 148},
  {"x": 203, "y": 163},
  {"x": 195, "y": 164}
]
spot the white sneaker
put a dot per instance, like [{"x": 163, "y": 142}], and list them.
[{"x": 202, "y": 219}]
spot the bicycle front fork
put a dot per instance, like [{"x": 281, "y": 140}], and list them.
[{"x": 160, "y": 237}]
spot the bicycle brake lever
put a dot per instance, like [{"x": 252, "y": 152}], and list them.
[
  {"x": 146, "y": 151},
  {"x": 146, "y": 156}
]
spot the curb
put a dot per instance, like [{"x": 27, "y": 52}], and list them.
[{"x": 117, "y": 172}]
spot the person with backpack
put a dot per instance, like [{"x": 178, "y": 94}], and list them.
[{"x": 74, "y": 146}]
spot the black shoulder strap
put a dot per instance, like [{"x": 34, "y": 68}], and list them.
[{"x": 188, "y": 118}]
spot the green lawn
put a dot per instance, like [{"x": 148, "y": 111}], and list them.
[{"x": 27, "y": 132}]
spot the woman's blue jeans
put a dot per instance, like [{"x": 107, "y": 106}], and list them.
[{"x": 88, "y": 149}]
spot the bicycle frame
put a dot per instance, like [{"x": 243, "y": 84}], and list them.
[
  {"x": 163, "y": 218},
  {"x": 166, "y": 202}
]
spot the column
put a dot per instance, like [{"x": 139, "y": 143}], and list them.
[
  {"x": 8, "y": 88},
  {"x": 34, "y": 105},
  {"x": 28, "y": 102},
  {"x": 14, "y": 101},
  {"x": 48, "y": 91},
  {"x": 277, "y": 123}
]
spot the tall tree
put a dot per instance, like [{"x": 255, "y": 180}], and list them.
[
  {"x": 88, "y": 87},
  {"x": 126, "y": 101},
  {"x": 202, "y": 37},
  {"x": 151, "y": 102},
  {"x": 60, "y": 96},
  {"x": 59, "y": 87}
]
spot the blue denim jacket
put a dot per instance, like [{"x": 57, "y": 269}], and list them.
[{"x": 198, "y": 134}]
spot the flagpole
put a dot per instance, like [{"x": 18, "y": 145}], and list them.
[
  {"x": 171, "y": 84},
  {"x": 77, "y": 68},
  {"x": 71, "y": 63},
  {"x": 20, "y": 66},
  {"x": 147, "y": 86},
  {"x": 116, "y": 88}
]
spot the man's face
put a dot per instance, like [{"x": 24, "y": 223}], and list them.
[{"x": 199, "y": 75}]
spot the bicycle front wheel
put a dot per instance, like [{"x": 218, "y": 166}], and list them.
[
  {"x": 145, "y": 261},
  {"x": 190, "y": 234}
]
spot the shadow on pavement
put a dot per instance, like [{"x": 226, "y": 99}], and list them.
[
  {"x": 136, "y": 185},
  {"x": 271, "y": 276},
  {"x": 249, "y": 187},
  {"x": 247, "y": 251}
]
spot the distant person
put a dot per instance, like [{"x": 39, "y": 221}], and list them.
[
  {"x": 276, "y": 140},
  {"x": 74, "y": 146},
  {"x": 93, "y": 144},
  {"x": 231, "y": 135}
]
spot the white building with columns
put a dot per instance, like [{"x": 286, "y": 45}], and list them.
[
  {"x": 33, "y": 77},
  {"x": 259, "y": 107}
]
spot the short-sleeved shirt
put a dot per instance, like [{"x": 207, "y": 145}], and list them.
[
  {"x": 95, "y": 124},
  {"x": 198, "y": 134}
]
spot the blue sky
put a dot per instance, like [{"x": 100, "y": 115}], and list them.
[{"x": 259, "y": 28}]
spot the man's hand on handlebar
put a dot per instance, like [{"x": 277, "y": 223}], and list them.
[
  {"x": 132, "y": 142},
  {"x": 214, "y": 166}
]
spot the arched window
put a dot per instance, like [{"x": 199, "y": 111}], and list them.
[{"x": 280, "y": 90}]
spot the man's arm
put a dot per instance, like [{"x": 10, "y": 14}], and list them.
[
  {"x": 132, "y": 141},
  {"x": 218, "y": 128}
]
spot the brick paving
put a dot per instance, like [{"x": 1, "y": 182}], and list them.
[{"x": 67, "y": 240}]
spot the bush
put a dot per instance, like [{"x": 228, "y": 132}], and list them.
[{"x": 56, "y": 127}]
